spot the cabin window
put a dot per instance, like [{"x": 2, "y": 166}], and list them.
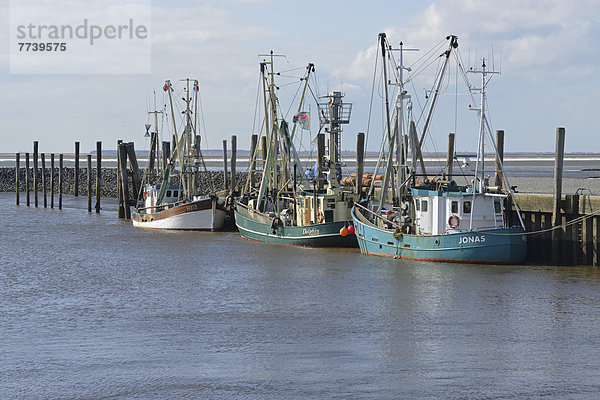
[
  {"x": 497, "y": 208},
  {"x": 467, "y": 207},
  {"x": 168, "y": 193},
  {"x": 454, "y": 207},
  {"x": 175, "y": 193},
  {"x": 424, "y": 205},
  {"x": 307, "y": 202},
  {"x": 418, "y": 205}
]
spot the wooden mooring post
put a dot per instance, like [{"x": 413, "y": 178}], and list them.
[
  {"x": 499, "y": 158},
  {"x": 133, "y": 164},
  {"x": 27, "y": 179},
  {"x": 225, "y": 173},
  {"x": 320, "y": 155},
  {"x": 44, "y": 187},
  {"x": 98, "y": 174},
  {"x": 120, "y": 205},
  {"x": 17, "y": 175},
  {"x": 52, "y": 180},
  {"x": 558, "y": 170},
  {"x": 60, "y": 180},
  {"x": 253, "y": 157},
  {"x": 450, "y": 157},
  {"x": 35, "y": 172},
  {"x": 89, "y": 181},
  {"x": 76, "y": 171},
  {"x": 360, "y": 158},
  {"x": 124, "y": 186},
  {"x": 166, "y": 153},
  {"x": 233, "y": 161}
]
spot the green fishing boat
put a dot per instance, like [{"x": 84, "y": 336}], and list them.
[{"x": 290, "y": 206}]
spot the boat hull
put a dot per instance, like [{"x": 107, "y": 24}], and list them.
[
  {"x": 318, "y": 235},
  {"x": 199, "y": 215},
  {"x": 483, "y": 246}
]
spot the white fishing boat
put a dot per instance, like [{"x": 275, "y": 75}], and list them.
[{"x": 180, "y": 207}]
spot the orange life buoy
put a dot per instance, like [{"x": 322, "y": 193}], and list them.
[
  {"x": 320, "y": 217},
  {"x": 453, "y": 221}
]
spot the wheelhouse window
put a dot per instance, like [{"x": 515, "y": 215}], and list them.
[
  {"x": 467, "y": 207},
  {"x": 418, "y": 205},
  {"x": 454, "y": 207},
  {"x": 424, "y": 205},
  {"x": 168, "y": 193},
  {"x": 175, "y": 193}
]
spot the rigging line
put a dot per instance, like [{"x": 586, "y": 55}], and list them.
[
  {"x": 455, "y": 99},
  {"x": 293, "y": 69},
  {"x": 371, "y": 100},
  {"x": 432, "y": 57},
  {"x": 256, "y": 105},
  {"x": 427, "y": 53},
  {"x": 293, "y": 99},
  {"x": 560, "y": 226},
  {"x": 459, "y": 61},
  {"x": 290, "y": 76}
]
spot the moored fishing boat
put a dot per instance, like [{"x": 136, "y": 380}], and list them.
[
  {"x": 288, "y": 207},
  {"x": 180, "y": 207},
  {"x": 423, "y": 218}
]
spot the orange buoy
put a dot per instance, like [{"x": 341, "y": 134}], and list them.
[
  {"x": 351, "y": 229},
  {"x": 344, "y": 231}
]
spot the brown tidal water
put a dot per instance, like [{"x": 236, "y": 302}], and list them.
[{"x": 91, "y": 308}]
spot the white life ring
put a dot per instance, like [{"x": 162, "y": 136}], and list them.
[
  {"x": 453, "y": 221},
  {"x": 320, "y": 217}
]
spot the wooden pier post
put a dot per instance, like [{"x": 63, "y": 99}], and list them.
[
  {"x": 98, "y": 174},
  {"x": 265, "y": 151},
  {"x": 153, "y": 150},
  {"x": 89, "y": 181},
  {"x": 166, "y": 153},
  {"x": 121, "y": 206},
  {"x": 499, "y": 157},
  {"x": 60, "y": 180},
  {"x": 360, "y": 159},
  {"x": 27, "y": 178},
  {"x": 450, "y": 157},
  {"x": 133, "y": 164},
  {"x": 76, "y": 171},
  {"x": 35, "y": 172},
  {"x": 320, "y": 155},
  {"x": 596, "y": 241},
  {"x": 233, "y": 161},
  {"x": 253, "y": 157},
  {"x": 558, "y": 170},
  {"x": 225, "y": 174},
  {"x": 124, "y": 187},
  {"x": 52, "y": 180},
  {"x": 17, "y": 175},
  {"x": 44, "y": 187}
]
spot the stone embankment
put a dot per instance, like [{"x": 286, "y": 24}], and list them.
[{"x": 208, "y": 182}]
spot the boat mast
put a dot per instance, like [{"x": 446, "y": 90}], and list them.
[
  {"x": 390, "y": 139},
  {"x": 399, "y": 125},
  {"x": 270, "y": 169}
]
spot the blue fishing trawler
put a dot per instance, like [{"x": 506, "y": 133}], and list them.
[{"x": 414, "y": 216}]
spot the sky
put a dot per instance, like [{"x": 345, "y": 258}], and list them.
[{"x": 547, "y": 52}]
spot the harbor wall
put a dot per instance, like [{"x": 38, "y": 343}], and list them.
[
  {"x": 108, "y": 180},
  {"x": 577, "y": 239}
]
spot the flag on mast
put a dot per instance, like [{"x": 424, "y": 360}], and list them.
[{"x": 302, "y": 118}]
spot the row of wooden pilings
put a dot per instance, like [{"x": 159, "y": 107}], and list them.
[
  {"x": 560, "y": 229},
  {"x": 127, "y": 167},
  {"x": 37, "y": 157}
]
